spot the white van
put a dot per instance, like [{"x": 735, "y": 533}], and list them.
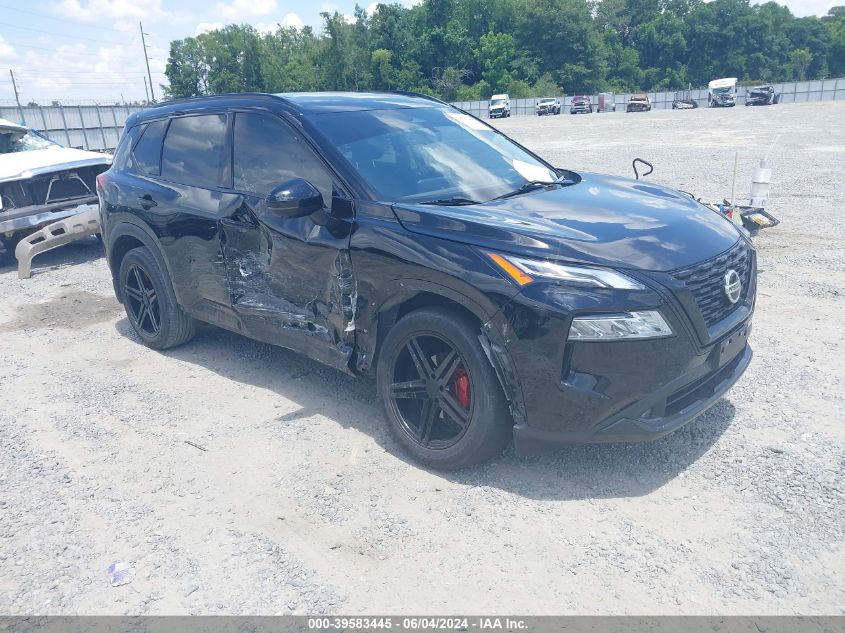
[
  {"x": 500, "y": 106},
  {"x": 722, "y": 93}
]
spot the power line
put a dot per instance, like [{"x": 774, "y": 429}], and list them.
[
  {"x": 53, "y": 50},
  {"x": 76, "y": 37},
  {"x": 50, "y": 17},
  {"x": 59, "y": 73}
]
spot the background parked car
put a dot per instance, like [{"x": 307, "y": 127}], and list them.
[
  {"x": 607, "y": 102},
  {"x": 581, "y": 104},
  {"x": 500, "y": 107},
  {"x": 547, "y": 106},
  {"x": 762, "y": 95},
  {"x": 638, "y": 102},
  {"x": 41, "y": 182}
]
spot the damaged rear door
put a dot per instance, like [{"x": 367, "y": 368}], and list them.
[{"x": 290, "y": 278}]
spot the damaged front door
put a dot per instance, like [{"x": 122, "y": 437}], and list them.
[{"x": 289, "y": 273}]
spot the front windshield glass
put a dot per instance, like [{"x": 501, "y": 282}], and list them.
[
  {"x": 497, "y": 102},
  {"x": 424, "y": 154},
  {"x": 721, "y": 91},
  {"x": 14, "y": 141}
]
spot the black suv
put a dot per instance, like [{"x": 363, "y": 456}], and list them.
[{"x": 491, "y": 294}]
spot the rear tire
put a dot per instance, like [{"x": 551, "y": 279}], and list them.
[
  {"x": 150, "y": 302},
  {"x": 440, "y": 421}
]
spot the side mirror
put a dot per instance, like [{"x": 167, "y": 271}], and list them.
[{"x": 294, "y": 198}]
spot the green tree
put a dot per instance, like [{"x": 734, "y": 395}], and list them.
[
  {"x": 496, "y": 54},
  {"x": 800, "y": 59},
  {"x": 562, "y": 37}
]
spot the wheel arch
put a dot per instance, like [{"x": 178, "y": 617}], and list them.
[
  {"x": 123, "y": 236},
  {"x": 422, "y": 294},
  {"x": 410, "y": 295}
]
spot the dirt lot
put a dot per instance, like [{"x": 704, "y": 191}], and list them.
[{"x": 302, "y": 503}]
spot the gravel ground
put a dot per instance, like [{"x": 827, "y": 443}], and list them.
[{"x": 301, "y": 503}]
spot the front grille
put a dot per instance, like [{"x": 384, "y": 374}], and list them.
[
  {"x": 58, "y": 186},
  {"x": 706, "y": 282}
]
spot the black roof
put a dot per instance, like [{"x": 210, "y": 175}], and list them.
[{"x": 295, "y": 102}]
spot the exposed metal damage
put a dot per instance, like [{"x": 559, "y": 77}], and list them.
[
  {"x": 264, "y": 286},
  {"x": 505, "y": 372}
]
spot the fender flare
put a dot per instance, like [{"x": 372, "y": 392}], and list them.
[
  {"x": 490, "y": 337},
  {"x": 126, "y": 225}
]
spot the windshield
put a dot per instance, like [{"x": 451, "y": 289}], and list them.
[
  {"x": 496, "y": 102},
  {"x": 547, "y": 101},
  {"x": 423, "y": 154},
  {"x": 722, "y": 91},
  {"x": 14, "y": 141}
]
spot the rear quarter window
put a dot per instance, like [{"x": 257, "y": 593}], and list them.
[
  {"x": 124, "y": 146},
  {"x": 146, "y": 156}
]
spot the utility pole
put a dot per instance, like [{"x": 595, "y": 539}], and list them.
[
  {"x": 146, "y": 92},
  {"x": 147, "y": 59},
  {"x": 17, "y": 98}
]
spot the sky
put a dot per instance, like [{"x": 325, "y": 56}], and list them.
[{"x": 86, "y": 51}]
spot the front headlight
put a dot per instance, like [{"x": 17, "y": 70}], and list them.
[
  {"x": 524, "y": 271},
  {"x": 627, "y": 325}
]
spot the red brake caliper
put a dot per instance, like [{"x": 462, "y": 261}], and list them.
[{"x": 460, "y": 385}]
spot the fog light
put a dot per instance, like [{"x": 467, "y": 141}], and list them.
[{"x": 627, "y": 325}]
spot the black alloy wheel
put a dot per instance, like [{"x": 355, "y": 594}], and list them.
[
  {"x": 150, "y": 302},
  {"x": 142, "y": 304},
  {"x": 439, "y": 392},
  {"x": 431, "y": 391}
]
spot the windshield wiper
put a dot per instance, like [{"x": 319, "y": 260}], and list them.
[
  {"x": 450, "y": 202},
  {"x": 531, "y": 185}
]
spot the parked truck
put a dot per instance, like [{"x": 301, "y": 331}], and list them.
[{"x": 721, "y": 93}]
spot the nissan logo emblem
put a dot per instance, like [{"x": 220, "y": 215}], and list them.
[{"x": 733, "y": 286}]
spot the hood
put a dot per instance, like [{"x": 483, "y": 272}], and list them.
[
  {"x": 602, "y": 220},
  {"x": 21, "y": 165}
]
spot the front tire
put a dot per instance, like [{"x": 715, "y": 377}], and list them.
[
  {"x": 439, "y": 393},
  {"x": 150, "y": 302}
]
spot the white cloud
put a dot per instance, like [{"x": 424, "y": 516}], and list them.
[
  {"x": 803, "y": 8},
  {"x": 123, "y": 12},
  {"x": 291, "y": 19},
  {"x": 349, "y": 19},
  {"x": 7, "y": 51},
  {"x": 205, "y": 27},
  {"x": 239, "y": 10},
  {"x": 371, "y": 8}
]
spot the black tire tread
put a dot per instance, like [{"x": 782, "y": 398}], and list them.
[
  {"x": 177, "y": 328},
  {"x": 486, "y": 437}
]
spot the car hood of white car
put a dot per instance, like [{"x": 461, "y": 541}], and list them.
[{"x": 21, "y": 165}]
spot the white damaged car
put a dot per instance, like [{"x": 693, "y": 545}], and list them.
[{"x": 41, "y": 182}]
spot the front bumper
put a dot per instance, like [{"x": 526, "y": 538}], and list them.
[
  {"x": 566, "y": 391},
  {"x": 649, "y": 418},
  {"x": 33, "y": 218},
  {"x": 497, "y": 114}
]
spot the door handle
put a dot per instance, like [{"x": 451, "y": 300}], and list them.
[{"x": 147, "y": 201}]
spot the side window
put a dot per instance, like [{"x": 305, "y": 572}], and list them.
[
  {"x": 147, "y": 153},
  {"x": 124, "y": 146},
  {"x": 194, "y": 151},
  {"x": 268, "y": 152}
]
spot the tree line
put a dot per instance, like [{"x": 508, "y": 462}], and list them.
[{"x": 470, "y": 49}]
